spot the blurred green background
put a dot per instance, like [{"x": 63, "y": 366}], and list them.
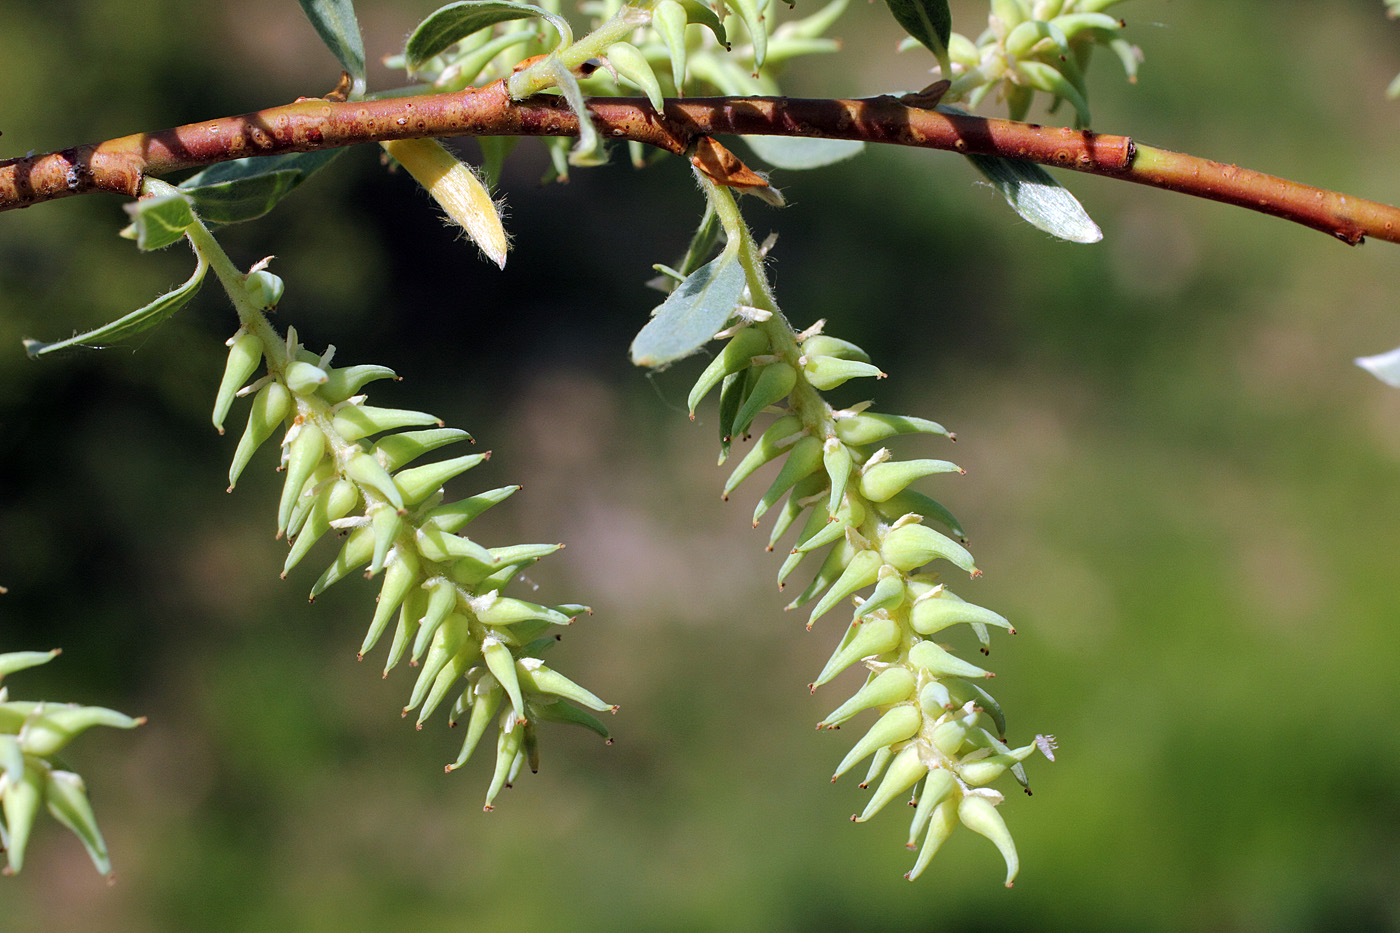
[{"x": 1180, "y": 489}]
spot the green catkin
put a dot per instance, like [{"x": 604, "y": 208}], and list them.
[
  {"x": 32, "y": 775},
  {"x": 934, "y": 723},
  {"x": 444, "y": 588}
]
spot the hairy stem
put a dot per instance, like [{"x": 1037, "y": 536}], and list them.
[{"x": 120, "y": 165}]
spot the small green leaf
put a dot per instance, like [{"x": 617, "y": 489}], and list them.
[
  {"x": 1384, "y": 366},
  {"x": 161, "y": 220},
  {"x": 132, "y": 324},
  {"x": 691, "y": 315},
  {"x": 1038, "y": 198},
  {"x": 802, "y": 152},
  {"x": 454, "y": 22},
  {"x": 335, "y": 22},
  {"x": 926, "y": 20},
  {"x": 232, "y": 192}
]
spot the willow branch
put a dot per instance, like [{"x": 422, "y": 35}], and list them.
[{"x": 119, "y": 165}]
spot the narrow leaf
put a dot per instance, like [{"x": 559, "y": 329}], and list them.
[
  {"x": 801, "y": 152},
  {"x": 692, "y": 314},
  {"x": 454, "y": 22},
  {"x": 160, "y": 221},
  {"x": 929, "y": 21},
  {"x": 1039, "y": 198},
  {"x": 1384, "y": 366},
  {"x": 132, "y": 324},
  {"x": 232, "y": 192},
  {"x": 335, "y": 22}
]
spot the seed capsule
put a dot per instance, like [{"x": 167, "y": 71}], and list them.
[
  {"x": 829, "y": 372},
  {"x": 305, "y": 378},
  {"x": 632, "y": 65},
  {"x": 534, "y": 676},
  {"x": 927, "y": 656},
  {"x": 502, "y": 664},
  {"x": 271, "y": 406},
  {"x": 343, "y": 382},
  {"x": 896, "y": 725},
  {"x": 862, "y": 571},
  {"x": 20, "y": 805},
  {"x": 356, "y": 421},
  {"x": 804, "y": 459},
  {"x": 936, "y": 613},
  {"x": 736, "y": 356},
  {"x": 873, "y": 427},
  {"x": 780, "y": 436},
  {"x": 244, "y": 355},
  {"x": 937, "y": 787},
  {"x": 980, "y": 815},
  {"x": 836, "y": 457},
  {"x": 941, "y": 823},
  {"x": 264, "y": 289},
  {"x": 304, "y": 454},
  {"x": 862, "y": 640},
  {"x": 366, "y": 471},
  {"x": 418, "y": 483},
  {"x": 53, "y": 726},
  {"x": 66, "y": 797},
  {"x": 892, "y": 685},
  {"x": 909, "y": 547},
  {"x": 773, "y": 384},
  {"x": 904, "y": 772},
  {"x": 826, "y": 345},
  {"x": 886, "y": 479}
]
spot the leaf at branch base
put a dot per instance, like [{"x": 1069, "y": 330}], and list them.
[
  {"x": 1384, "y": 366},
  {"x": 335, "y": 22},
  {"x": 232, "y": 192},
  {"x": 929, "y": 21},
  {"x": 1038, "y": 198},
  {"x": 692, "y": 314},
  {"x": 157, "y": 222},
  {"x": 142, "y": 319},
  {"x": 451, "y": 24},
  {"x": 802, "y": 152}
]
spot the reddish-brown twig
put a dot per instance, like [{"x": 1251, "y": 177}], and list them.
[{"x": 119, "y": 165}]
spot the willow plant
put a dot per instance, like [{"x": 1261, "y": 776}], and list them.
[{"x": 883, "y": 555}]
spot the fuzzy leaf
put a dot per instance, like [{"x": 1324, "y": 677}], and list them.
[
  {"x": 232, "y": 192},
  {"x": 454, "y": 22},
  {"x": 1384, "y": 366},
  {"x": 801, "y": 152},
  {"x": 132, "y": 324},
  {"x": 929, "y": 21},
  {"x": 692, "y": 314},
  {"x": 1038, "y": 198},
  {"x": 335, "y": 22},
  {"x": 160, "y": 221}
]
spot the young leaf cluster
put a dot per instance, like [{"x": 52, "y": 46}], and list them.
[{"x": 32, "y": 773}]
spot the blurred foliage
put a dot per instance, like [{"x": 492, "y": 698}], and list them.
[{"x": 1180, "y": 489}]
